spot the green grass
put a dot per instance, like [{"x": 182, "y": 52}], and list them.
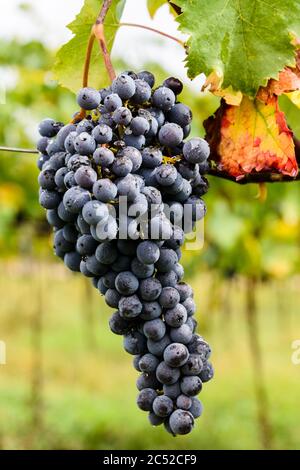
[{"x": 88, "y": 382}]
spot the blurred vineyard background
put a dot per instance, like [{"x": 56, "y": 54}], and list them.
[{"x": 67, "y": 382}]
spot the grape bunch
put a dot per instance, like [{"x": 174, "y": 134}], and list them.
[{"x": 122, "y": 187}]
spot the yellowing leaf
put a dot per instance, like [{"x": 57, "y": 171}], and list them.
[{"x": 251, "y": 138}]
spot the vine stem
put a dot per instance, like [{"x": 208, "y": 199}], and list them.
[{"x": 154, "y": 30}]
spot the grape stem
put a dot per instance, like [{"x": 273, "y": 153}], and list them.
[
  {"x": 85, "y": 78},
  {"x": 154, "y": 30},
  {"x": 98, "y": 31}
]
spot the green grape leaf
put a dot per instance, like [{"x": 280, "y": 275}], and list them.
[
  {"x": 246, "y": 41},
  {"x": 154, "y": 5},
  {"x": 68, "y": 67}
]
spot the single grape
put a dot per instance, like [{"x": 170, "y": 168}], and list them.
[
  {"x": 85, "y": 177},
  {"x": 152, "y": 157},
  {"x": 124, "y": 86},
  {"x": 104, "y": 190},
  {"x": 103, "y": 157},
  {"x": 191, "y": 385},
  {"x": 207, "y": 372},
  {"x": 163, "y": 98},
  {"x": 166, "y": 374},
  {"x": 88, "y": 98},
  {"x": 150, "y": 289},
  {"x": 46, "y": 179},
  {"x": 134, "y": 155},
  {"x": 174, "y": 84},
  {"x": 70, "y": 233},
  {"x": 49, "y": 199},
  {"x": 54, "y": 219},
  {"x": 196, "y": 150},
  {"x": 148, "y": 252},
  {"x": 163, "y": 406},
  {"x": 166, "y": 175},
  {"x": 157, "y": 347},
  {"x": 193, "y": 366},
  {"x": 42, "y": 144},
  {"x": 139, "y": 125},
  {"x": 181, "y": 422},
  {"x": 180, "y": 114},
  {"x": 84, "y": 126},
  {"x": 136, "y": 141},
  {"x": 154, "y": 329},
  {"x": 130, "y": 307},
  {"x": 176, "y": 316},
  {"x": 112, "y": 298},
  {"x": 190, "y": 306},
  {"x": 122, "y": 166},
  {"x": 146, "y": 398},
  {"x": 169, "y": 297},
  {"x": 72, "y": 260},
  {"x": 184, "y": 402},
  {"x": 167, "y": 260},
  {"x": 94, "y": 212},
  {"x": 84, "y": 144},
  {"x": 148, "y": 77},
  {"x": 172, "y": 391},
  {"x": 142, "y": 91},
  {"x": 102, "y": 134},
  {"x": 106, "y": 253},
  {"x": 127, "y": 283},
  {"x": 183, "y": 334},
  {"x": 49, "y": 128},
  {"x": 112, "y": 102},
  {"x": 170, "y": 134},
  {"x": 93, "y": 265},
  {"x": 148, "y": 381},
  {"x": 148, "y": 363},
  {"x": 176, "y": 355},
  {"x": 141, "y": 270},
  {"x": 151, "y": 310},
  {"x": 135, "y": 343}
]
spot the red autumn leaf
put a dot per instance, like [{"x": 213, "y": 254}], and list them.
[
  {"x": 288, "y": 81},
  {"x": 252, "y": 137}
]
